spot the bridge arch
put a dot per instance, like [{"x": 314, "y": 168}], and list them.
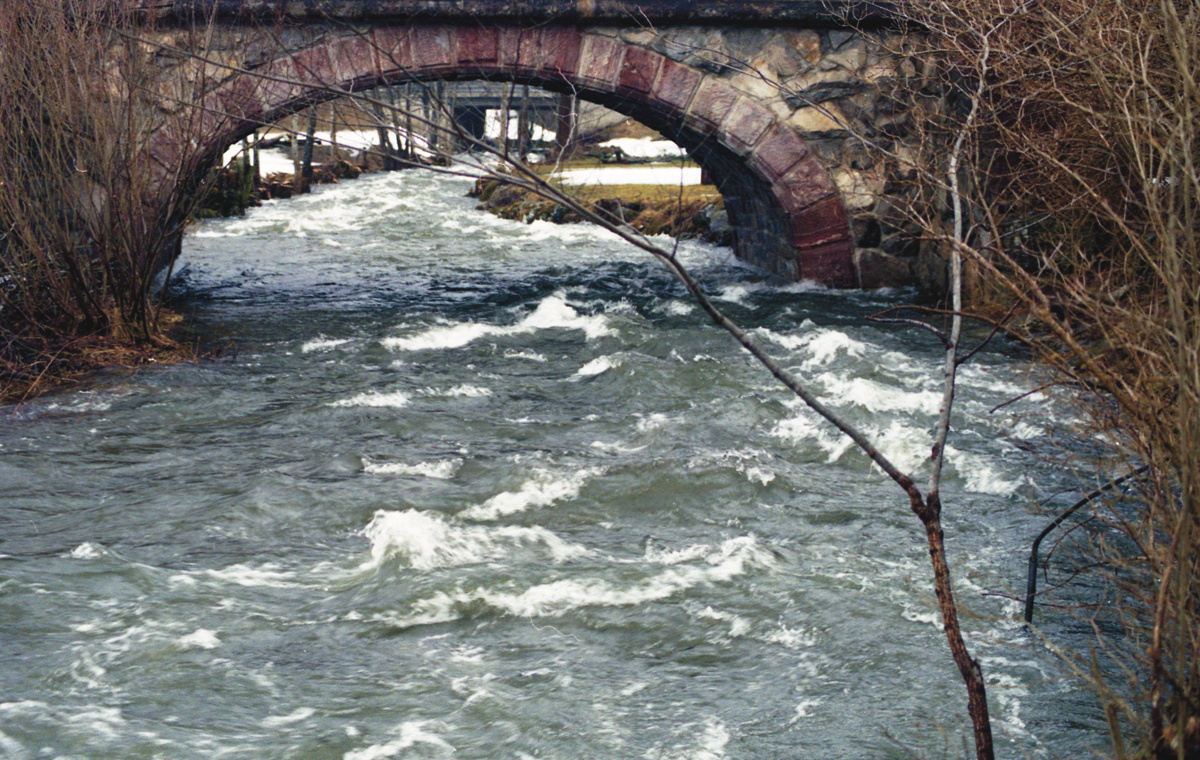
[{"x": 786, "y": 212}]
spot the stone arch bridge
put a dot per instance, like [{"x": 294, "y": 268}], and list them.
[{"x": 772, "y": 97}]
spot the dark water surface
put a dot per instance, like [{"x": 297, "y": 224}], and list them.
[{"x": 463, "y": 487}]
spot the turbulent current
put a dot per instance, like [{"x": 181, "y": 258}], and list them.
[{"x": 464, "y": 487}]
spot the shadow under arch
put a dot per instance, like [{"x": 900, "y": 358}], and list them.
[{"x": 786, "y": 213}]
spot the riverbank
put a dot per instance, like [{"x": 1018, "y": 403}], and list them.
[
  {"x": 232, "y": 190},
  {"x": 30, "y": 367},
  {"x": 687, "y": 212}
]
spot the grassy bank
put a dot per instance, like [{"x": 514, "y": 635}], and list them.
[{"x": 692, "y": 211}]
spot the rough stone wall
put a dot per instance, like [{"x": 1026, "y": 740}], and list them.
[{"x": 847, "y": 94}]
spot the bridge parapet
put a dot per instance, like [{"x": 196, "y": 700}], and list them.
[{"x": 795, "y": 13}]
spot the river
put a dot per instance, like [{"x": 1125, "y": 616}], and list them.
[{"x": 464, "y": 487}]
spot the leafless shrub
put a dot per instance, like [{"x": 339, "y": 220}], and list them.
[
  {"x": 79, "y": 242},
  {"x": 1084, "y": 197}
]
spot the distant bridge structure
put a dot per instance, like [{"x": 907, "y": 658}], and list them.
[{"x": 771, "y": 97}]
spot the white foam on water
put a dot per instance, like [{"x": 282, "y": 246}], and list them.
[
  {"x": 411, "y": 733},
  {"x": 444, "y": 469},
  {"x": 634, "y": 688},
  {"x": 678, "y": 308},
  {"x": 738, "y": 625},
  {"x": 88, "y": 550},
  {"x": 104, "y": 721},
  {"x": 90, "y": 720},
  {"x": 11, "y": 747},
  {"x": 532, "y": 356},
  {"x": 822, "y": 345},
  {"x": 983, "y": 377},
  {"x": 426, "y": 540},
  {"x": 747, "y": 463},
  {"x": 737, "y": 293},
  {"x": 377, "y": 399},
  {"x": 791, "y": 638},
  {"x": 663, "y": 556},
  {"x": 735, "y": 557},
  {"x": 807, "y": 427},
  {"x": 598, "y": 366},
  {"x": 925, "y": 616},
  {"x": 617, "y": 448},
  {"x": 542, "y": 489},
  {"x": 906, "y": 446},
  {"x": 756, "y": 474},
  {"x": 322, "y": 344},
  {"x": 201, "y": 638},
  {"x": 82, "y": 406},
  {"x": 804, "y": 709},
  {"x": 706, "y": 741},
  {"x": 878, "y": 397},
  {"x": 1025, "y": 430},
  {"x": 267, "y": 575},
  {"x": 24, "y": 706},
  {"x": 459, "y": 391},
  {"x": 450, "y": 336},
  {"x": 552, "y": 312},
  {"x": 980, "y": 473},
  {"x": 825, "y": 346},
  {"x": 543, "y": 230},
  {"x": 297, "y": 715},
  {"x": 654, "y": 421},
  {"x": 803, "y": 286}
]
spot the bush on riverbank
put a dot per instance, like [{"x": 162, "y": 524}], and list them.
[
  {"x": 1080, "y": 187},
  {"x": 84, "y": 225}
]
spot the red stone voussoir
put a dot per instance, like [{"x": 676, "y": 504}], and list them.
[
  {"x": 745, "y": 124},
  {"x": 600, "y": 62},
  {"x": 710, "y": 105},
  {"x": 433, "y": 50},
  {"x": 832, "y": 264},
  {"x": 563, "y": 50},
  {"x": 823, "y": 222},
  {"x": 674, "y": 89},
  {"x": 640, "y": 70},
  {"x": 352, "y": 59},
  {"x": 393, "y": 51},
  {"x": 778, "y": 152},
  {"x": 478, "y": 46},
  {"x": 804, "y": 185}
]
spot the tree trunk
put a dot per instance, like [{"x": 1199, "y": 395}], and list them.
[{"x": 306, "y": 170}]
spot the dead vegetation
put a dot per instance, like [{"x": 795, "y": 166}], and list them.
[{"x": 1080, "y": 200}]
